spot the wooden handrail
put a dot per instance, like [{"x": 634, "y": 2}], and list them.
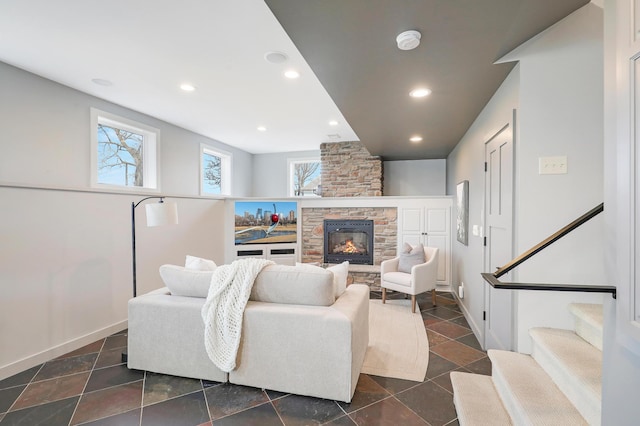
[
  {"x": 492, "y": 278},
  {"x": 550, "y": 240},
  {"x": 583, "y": 288}
]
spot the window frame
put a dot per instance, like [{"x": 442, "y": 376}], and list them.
[
  {"x": 150, "y": 152},
  {"x": 291, "y": 162},
  {"x": 226, "y": 159}
]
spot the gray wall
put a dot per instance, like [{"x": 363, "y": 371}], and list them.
[
  {"x": 65, "y": 249},
  {"x": 557, "y": 91},
  {"x": 408, "y": 178},
  {"x": 270, "y": 172},
  {"x": 466, "y": 162},
  {"x": 45, "y": 139},
  {"x": 414, "y": 177}
]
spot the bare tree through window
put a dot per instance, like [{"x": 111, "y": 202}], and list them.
[
  {"x": 120, "y": 156},
  {"x": 213, "y": 172},
  {"x": 303, "y": 174}
]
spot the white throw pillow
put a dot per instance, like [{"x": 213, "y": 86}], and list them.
[
  {"x": 199, "y": 264},
  {"x": 410, "y": 259},
  {"x": 340, "y": 274},
  {"x": 186, "y": 282}
]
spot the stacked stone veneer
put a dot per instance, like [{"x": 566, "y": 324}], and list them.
[
  {"x": 385, "y": 227},
  {"x": 349, "y": 170}
]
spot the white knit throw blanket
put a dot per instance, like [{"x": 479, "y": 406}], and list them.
[{"x": 224, "y": 308}]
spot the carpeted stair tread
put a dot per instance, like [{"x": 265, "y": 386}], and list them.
[
  {"x": 528, "y": 393},
  {"x": 588, "y": 324},
  {"x": 574, "y": 365},
  {"x": 476, "y": 400}
]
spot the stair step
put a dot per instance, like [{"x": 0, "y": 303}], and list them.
[
  {"x": 528, "y": 393},
  {"x": 589, "y": 321},
  {"x": 574, "y": 365},
  {"x": 476, "y": 400}
]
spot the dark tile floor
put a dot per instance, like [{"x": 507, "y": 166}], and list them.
[{"x": 91, "y": 386}]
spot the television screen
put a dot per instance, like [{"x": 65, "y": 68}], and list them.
[{"x": 265, "y": 222}]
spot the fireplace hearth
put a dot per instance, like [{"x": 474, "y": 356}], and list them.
[{"x": 350, "y": 240}]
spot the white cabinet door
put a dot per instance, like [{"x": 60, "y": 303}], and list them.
[
  {"x": 429, "y": 222},
  {"x": 411, "y": 224},
  {"x": 437, "y": 233}
]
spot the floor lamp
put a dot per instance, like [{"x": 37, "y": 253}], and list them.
[{"x": 158, "y": 214}]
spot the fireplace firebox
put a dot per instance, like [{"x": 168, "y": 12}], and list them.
[{"x": 350, "y": 240}]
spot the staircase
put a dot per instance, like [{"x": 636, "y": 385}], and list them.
[{"x": 558, "y": 384}]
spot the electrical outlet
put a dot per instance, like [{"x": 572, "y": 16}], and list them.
[{"x": 552, "y": 165}]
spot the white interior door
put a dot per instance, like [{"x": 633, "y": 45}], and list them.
[{"x": 498, "y": 233}]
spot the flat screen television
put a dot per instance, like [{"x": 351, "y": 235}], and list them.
[{"x": 265, "y": 222}]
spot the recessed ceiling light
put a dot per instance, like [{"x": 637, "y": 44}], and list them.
[
  {"x": 333, "y": 123},
  {"x": 262, "y": 129},
  {"x": 275, "y": 57},
  {"x": 420, "y": 92},
  {"x": 101, "y": 82},
  {"x": 415, "y": 139},
  {"x": 187, "y": 87},
  {"x": 292, "y": 74}
]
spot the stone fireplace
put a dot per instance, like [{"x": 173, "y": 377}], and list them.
[
  {"x": 349, "y": 170},
  {"x": 350, "y": 240}
]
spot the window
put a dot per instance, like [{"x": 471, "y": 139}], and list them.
[
  {"x": 304, "y": 177},
  {"x": 124, "y": 153},
  {"x": 215, "y": 172}
]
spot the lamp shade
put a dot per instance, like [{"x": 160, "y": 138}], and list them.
[{"x": 159, "y": 214}]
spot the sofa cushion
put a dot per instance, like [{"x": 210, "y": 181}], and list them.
[
  {"x": 186, "y": 282},
  {"x": 199, "y": 264},
  {"x": 411, "y": 259},
  {"x": 340, "y": 274},
  {"x": 299, "y": 285}
]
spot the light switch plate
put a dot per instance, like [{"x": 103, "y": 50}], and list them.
[{"x": 552, "y": 165}]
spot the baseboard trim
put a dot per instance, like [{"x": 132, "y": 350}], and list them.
[
  {"x": 56, "y": 351},
  {"x": 479, "y": 333}
]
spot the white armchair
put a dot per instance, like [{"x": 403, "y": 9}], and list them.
[{"x": 421, "y": 279}]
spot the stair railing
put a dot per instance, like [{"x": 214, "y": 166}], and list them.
[{"x": 492, "y": 278}]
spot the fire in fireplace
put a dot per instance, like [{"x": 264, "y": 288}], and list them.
[{"x": 350, "y": 240}]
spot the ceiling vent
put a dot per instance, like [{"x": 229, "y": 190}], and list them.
[
  {"x": 275, "y": 57},
  {"x": 408, "y": 40}
]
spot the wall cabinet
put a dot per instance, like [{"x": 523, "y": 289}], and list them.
[{"x": 429, "y": 222}]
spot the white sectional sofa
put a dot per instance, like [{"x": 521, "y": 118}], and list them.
[{"x": 297, "y": 336}]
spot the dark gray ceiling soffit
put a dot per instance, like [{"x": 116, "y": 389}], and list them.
[{"x": 350, "y": 45}]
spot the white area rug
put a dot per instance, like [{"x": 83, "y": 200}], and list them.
[{"x": 398, "y": 345}]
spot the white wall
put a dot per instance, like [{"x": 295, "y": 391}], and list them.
[
  {"x": 65, "y": 250},
  {"x": 621, "y": 366},
  {"x": 414, "y": 177},
  {"x": 557, "y": 91}
]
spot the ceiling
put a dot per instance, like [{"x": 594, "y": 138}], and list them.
[{"x": 351, "y": 70}]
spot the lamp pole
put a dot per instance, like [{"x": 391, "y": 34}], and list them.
[{"x": 133, "y": 236}]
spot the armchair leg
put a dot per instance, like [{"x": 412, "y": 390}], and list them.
[
  {"x": 413, "y": 303},
  {"x": 433, "y": 297},
  {"x": 384, "y": 295}
]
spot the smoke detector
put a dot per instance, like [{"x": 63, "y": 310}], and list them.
[{"x": 408, "y": 40}]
